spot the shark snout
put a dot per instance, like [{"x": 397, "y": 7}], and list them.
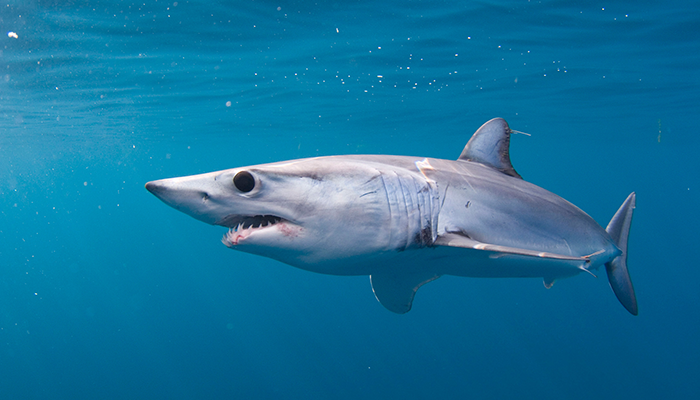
[
  {"x": 155, "y": 187},
  {"x": 170, "y": 192},
  {"x": 185, "y": 197}
]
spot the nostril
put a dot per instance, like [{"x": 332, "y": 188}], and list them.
[{"x": 205, "y": 196}]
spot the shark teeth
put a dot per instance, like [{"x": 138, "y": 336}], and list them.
[
  {"x": 240, "y": 227},
  {"x": 239, "y": 223}
]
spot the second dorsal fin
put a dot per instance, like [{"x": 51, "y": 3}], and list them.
[{"x": 490, "y": 146}]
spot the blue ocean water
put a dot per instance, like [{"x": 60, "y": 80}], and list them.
[{"x": 105, "y": 292}]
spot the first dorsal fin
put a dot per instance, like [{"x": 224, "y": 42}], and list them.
[{"x": 489, "y": 146}]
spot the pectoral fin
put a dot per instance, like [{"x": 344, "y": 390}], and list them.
[
  {"x": 493, "y": 260},
  {"x": 456, "y": 240},
  {"x": 396, "y": 287}
]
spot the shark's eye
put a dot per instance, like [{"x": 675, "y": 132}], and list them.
[{"x": 244, "y": 181}]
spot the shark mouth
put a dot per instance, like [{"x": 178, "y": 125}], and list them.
[
  {"x": 238, "y": 222},
  {"x": 241, "y": 226}
]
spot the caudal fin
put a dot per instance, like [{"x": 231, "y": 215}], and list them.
[{"x": 618, "y": 276}]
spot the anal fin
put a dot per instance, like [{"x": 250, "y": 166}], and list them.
[
  {"x": 548, "y": 282},
  {"x": 396, "y": 288}
]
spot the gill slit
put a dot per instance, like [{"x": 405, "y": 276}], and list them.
[
  {"x": 406, "y": 211},
  {"x": 388, "y": 204}
]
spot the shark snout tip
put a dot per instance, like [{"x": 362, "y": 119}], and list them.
[{"x": 152, "y": 186}]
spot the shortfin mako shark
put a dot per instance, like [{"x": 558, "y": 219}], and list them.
[{"x": 406, "y": 221}]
